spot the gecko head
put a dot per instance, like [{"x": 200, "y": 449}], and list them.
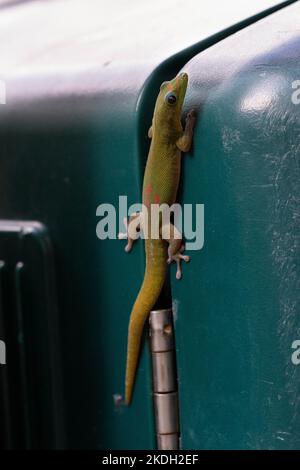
[{"x": 170, "y": 99}]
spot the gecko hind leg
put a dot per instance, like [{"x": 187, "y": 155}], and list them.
[
  {"x": 133, "y": 227},
  {"x": 176, "y": 247},
  {"x": 178, "y": 257}
]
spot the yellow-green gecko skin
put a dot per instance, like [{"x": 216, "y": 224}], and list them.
[{"x": 160, "y": 186}]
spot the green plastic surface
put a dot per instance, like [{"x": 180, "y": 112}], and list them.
[
  {"x": 72, "y": 136},
  {"x": 237, "y": 307}
]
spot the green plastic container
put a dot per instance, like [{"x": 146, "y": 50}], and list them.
[{"x": 73, "y": 134}]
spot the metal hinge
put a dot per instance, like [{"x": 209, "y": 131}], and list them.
[{"x": 165, "y": 390}]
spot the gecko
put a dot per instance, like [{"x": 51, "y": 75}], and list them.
[{"x": 161, "y": 180}]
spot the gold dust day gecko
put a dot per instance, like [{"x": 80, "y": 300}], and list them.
[{"x": 161, "y": 179}]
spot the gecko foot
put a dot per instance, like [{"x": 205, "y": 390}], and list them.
[
  {"x": 132, "y": 230},
  {"x": 178, "y": 258}
]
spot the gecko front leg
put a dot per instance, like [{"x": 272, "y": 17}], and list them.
[{"x": 184, "y": 142}]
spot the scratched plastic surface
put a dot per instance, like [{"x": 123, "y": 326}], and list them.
[
  {"x": 80, "y": 86},
  {"x": 239, "y": 388}
]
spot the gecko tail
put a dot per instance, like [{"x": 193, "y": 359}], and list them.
[{"x": 152, "y": 285}]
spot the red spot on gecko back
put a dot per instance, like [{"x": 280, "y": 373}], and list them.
[{"x": 156, "y": 198}]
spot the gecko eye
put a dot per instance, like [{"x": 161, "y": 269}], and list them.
[{"x": 171, "y": 98}]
